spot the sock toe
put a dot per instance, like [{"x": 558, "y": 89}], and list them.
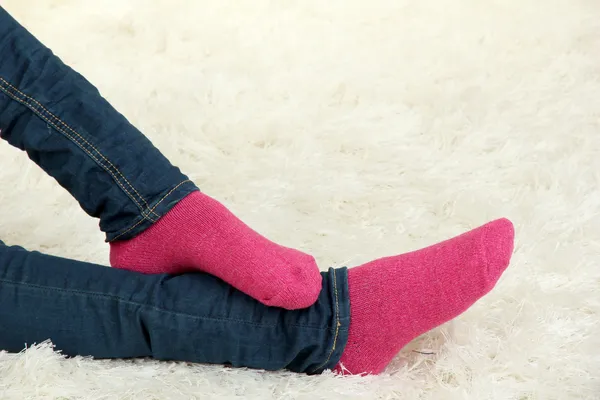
[
  {"x": 498, "y": 242},
  {"x": 301, "y": 293}
]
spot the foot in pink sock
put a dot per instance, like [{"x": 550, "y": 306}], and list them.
[
  {"x": 199, "y": 233},
  {"x": 396, "y": 299}
]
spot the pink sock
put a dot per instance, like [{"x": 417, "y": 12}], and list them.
[
  {"x": 393, "y": 300},
  {"x": 199, "y": 233}
]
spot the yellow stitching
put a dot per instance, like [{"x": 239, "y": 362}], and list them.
[
  {"x": 85, "y": 150},
  {"x": 168, "y": 194},
  {"x": 92, "y": 156},
  {"x": 152, "y": 210},
  {"x": 156, "y": 205},
  {"x": 337, "y": 325},
  {"x": 81, "y": 137}
]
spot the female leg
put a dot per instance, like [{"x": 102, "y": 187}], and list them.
[
  {"x": 90, "y": 310},
  {"x": 154, "y": 217},
  {"x": 362, "y": 318}
]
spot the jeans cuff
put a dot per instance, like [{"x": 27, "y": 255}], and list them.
[
  {"x": 340, "y": 299},
  {"x": 159, "y": 207}
]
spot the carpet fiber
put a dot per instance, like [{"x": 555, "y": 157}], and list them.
[{"x": 351, "y": 130}]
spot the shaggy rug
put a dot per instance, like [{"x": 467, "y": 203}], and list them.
[{"x": 351, "y": 130}]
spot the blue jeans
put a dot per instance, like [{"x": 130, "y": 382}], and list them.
[
  {"x": 118, "y": 176},
  {"x": 77, "y": 137}
]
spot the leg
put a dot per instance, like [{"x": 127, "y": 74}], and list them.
[
  {"x": 363, "y": 317},
  {"x": 155, "y": 218},
  {"x": 89, "y": 310}
]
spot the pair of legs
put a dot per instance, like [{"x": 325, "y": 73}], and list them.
[{"x": 192, "y": 281}]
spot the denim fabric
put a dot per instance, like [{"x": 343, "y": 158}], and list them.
[
  {"x": 76, "y": 136},
  {"x": 90, "y": 310},
  {"x": 117, "y": 175}
]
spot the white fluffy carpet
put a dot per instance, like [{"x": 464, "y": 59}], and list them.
[{"x": 351, "y": 130}]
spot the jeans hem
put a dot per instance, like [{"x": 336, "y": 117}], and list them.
[
  {"x": 159, "y": 207},
  {"x": 341, "y": 319}
]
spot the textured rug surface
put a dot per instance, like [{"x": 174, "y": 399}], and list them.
[{"x": 352, "y": 130}]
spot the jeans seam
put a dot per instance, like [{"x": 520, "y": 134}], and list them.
[
  {"x": 151, "y": 210},
  {"x": 159, "y": 309},
  {"x": 337, "y": 324},
  {"x": 108, "y": 168}
]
